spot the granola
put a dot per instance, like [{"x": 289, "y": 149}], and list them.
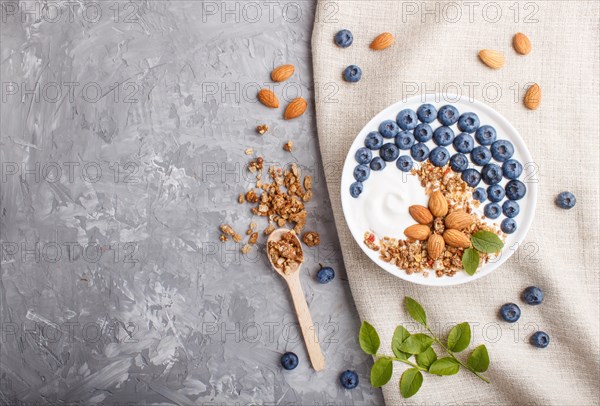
[
  {"x": 262, "y": 128},
  {"x": 229, "y": 231},
  {"x": 311, "y": 238},
  {"x": 286, "y": 254},
  {"x": 288, "y": 146}
]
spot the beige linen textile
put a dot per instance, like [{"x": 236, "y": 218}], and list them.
[{"x": 560, "y": 254}]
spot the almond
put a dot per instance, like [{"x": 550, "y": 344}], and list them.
[
  {"x": 435, "y": 246},
  {"x": 438, "y": 205},
  {"x": 456, "y": 238},
  {"x": 282, "y": 73},
  {"x": 382, "y": 41},
  {"x": 421, "y": 214},
  {"x": 268, "y": 98},
  {"x": 493, "y": 59},
  {"x": 417, "y": 232},
  {"x": 521, "y": 43},
  {"x": 458, "y": 220},
  {"x": 296, "y": 108},
  {"x": 533, "y": 97}
]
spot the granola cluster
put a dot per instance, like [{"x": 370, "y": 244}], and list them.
[
  {"x": 458, "y": 193},
  {"x": 286, "y": 254}
]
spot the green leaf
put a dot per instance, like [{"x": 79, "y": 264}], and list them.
[
  {"x": 486, "y": 241},
  {"x": 368, "y": 338},
  {"x": 444, "y": 366},
  {"x": 426, "y": 358},
  {"x": 479, "y": 359},
  {"x": 459, "y": 337},
  {"x": 381, "y": 372},
  {"x": 410, "y": 382},
  {"x": 416, "y": 343},
  {"x": 470, "y": 260},
  {"x": 400, "y": 334},
  {"x": 415, "y": 310}
]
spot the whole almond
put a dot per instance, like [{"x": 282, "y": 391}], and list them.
[
  {"x": 533, "y": 97},
  {"x": 438, "y": 205},
  {"x": 521, "y": 43},
  {"x": 417, "y": 232},
  {"x": 493, "y": 59},
  {"x": 296, "y": 108},
  {"x": 282, "y": 73},
  {"x": 435, "y": 246},
  {"x": 382, "y": 41},
  {"x": 268, "y": 98},
  {"x": 456, "y": 238},
  {"x": 421, "y": 214},
  {"x": 458, "y": 220}
]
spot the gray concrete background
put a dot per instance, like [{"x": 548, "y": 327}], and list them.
[{"x": 123, "y": 126}]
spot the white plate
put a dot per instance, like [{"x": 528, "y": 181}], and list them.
[{"x": 358, "y": 223}]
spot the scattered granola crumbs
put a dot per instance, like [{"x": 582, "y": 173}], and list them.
[
  {"x": 270, "y": 228},
  {"x": 251, "y": 196},
  {"x": 311, "y": 238},
  {"x": 228, "y": 230},
  {"x": 253, "y": 238},
  {"x": 246, "y": 249},
  {"x": 249, "y": 151},
  {"x": 288, "y": 146},
  {"x": 241, "y": 198},
  {"x": 223, "y": 238},
  {"x": 308, "y": 182},
  {"x": 286, "y": 254},
  {"x": 261, "y": 129}
]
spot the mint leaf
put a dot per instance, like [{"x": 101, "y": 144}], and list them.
[
  {"x": 470, "y": 260},
  {"x": 479, "y": 359},
  {"x": 368, "y": 338},
  {"x": 486, "y": 241},
  {"x": 410, "y": 382},
  {"x": 459, "y": 337},
  {"x": 400, "y": 334},
  {"x": 444, "y": 366},
  {"x": 416, "y": 343},
  {"x": 426, "y": 358},
  {"x": 415, "y": 310},
  {"x": 381, "y": 372}
]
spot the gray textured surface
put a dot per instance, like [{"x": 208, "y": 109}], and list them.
[{"x": 114, "y": 287}]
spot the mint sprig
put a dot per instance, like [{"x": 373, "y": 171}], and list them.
[
  {"x": 482, "y": 242},
  {"x": 406, "y": 345}
]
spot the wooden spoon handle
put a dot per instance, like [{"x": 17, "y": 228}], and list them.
[{"x": 306, "y": 324}]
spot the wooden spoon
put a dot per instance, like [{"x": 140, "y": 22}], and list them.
[{"x": 304, "y": 319}]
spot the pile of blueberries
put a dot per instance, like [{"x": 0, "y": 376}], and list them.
[
  {"x": 412, "y": 130},
  {"x": 510, "y": 312}
]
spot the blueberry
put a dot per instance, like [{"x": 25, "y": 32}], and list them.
[
  {"x": 515, "y": 190},
  {"x": 349, "y": 379},
  {"x": 373, "y": 140},
  {"x": 439, "y": 156},
  {"x": 377, "y": 164},
  {"x": 405, "y": 140},
  {"x": 512, "y": 169},
  {"x": 510, "y": 209},
  {"x": 510, "y": 312},
  {"x": 389, "y": 129},
  {"x": 533, "y": 295},
  {"x": 491, "y": 174},
  {"x": 443, "y": 136},
  {"x": 471, "y": 176},
  {"x": 325, "y": 274},
  {"x": 508, "y": 226},
  {"x": 481, "y": 156},
  {"x": 427, "y": 113},
  {"x": 289, "y": 361},
  {"x": 404, "y": 163},
  {"x": 492, "y": 210},
  {"x": 468, "y": 122},
  {"x": 459, "y": 162},
  {"x": 363, "y": 155},
  {"x": 389, "y": 152},
  {"x": 566, "y": 200},
  {"x": 495, "y": 193},
  {"x": 419, "y": 152},
  {"x": 485, "y": 135},
  {"x": 343, "y": 38},
  {"x": 423, "y": 132},
  {"x": 463, "y": 143},
  {"x": 479, "y": 194},
  {"x": 352, "y": 74},
  {"x": 356, "y": 189},
  {"x": 540, "y": 339},
  {"x": 361, "y": 173},
  {"x": 502, "y": 150},
  {"x": 448, "y": 115},
  {"x": 407, "y": 119}
]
